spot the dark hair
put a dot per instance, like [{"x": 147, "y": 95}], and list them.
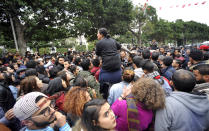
[
  {"x": 73, "y": 68},
  {"x": 178, "y": 49},
  {"x": 128, "y": 75},
  {"x": 148, "y": 66},
  {"x": 61, "y": 57},
  {"x": 90, "y": 114},
  {"x": 55, "y": 86},
  {"x": 184, "y": 80},
  {"x": 63, "y": 76},
  {"x": 202, "y": 68},
  {"x": 31, "y": 72},
  {"x": 8, "y": 79},
  {"x": 7, "y": 100},
  {"x": 85, "y": 64},
  {"x": 146, "y": 54},
  {"x": 168, "y": 60},
  {"x": 137, "y": 60},
  {"x": 80, "y": 81},
  {"x": 41, "y": 70},
  {"x": 178, "y": 61},
  {"x": 31, "y": 64},
  {"x": 96, "y": 62},
  {"x": 70, "y": 58},
  {"x": 155, "y": 55},
  {"x": 28, "y": 84},
  {"x": 77, "y": 61},
  {"x": 103, "y": 31},
  {"x": 2, "y": 69},
  {"x": 206, "y": 56},
  {"x": 196, "y": 54},
  {"x": 66, "y": 60},
  {"x": 53, "y": 72}
]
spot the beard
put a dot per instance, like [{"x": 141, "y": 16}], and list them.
[
  {"x": 44, "y": 124},
  {"x": 200, "y": 81}
]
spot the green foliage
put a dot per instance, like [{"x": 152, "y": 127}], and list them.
[
  {"x": 62, "y": 50},
  {"x": 91, "y": 45},
  {"x": 70, "y": 42},
  {"x": 141, "y": 18},
  {"x": 162, "y": 31},
  {"x": 43, "y": 51},
  {"x": 90, "y": 15},
  {"x": 12, "y": 50},
  {"x": 176, "y": 32},
  {"x": 40, "y": 20},
  {"x": 6, "y": 37},
  {"x": 80, "y": 48},
  {"x": 126, "y": 38}
]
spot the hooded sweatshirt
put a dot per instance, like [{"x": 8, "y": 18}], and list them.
[
  {"x": 202, "y": 88},
  {"x": 183, "y": 112}
]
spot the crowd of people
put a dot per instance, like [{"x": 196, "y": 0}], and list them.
[{"x": 108, "y": 89}]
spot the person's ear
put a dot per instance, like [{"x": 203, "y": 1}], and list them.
[
  {"x": 171, "y": 82},
  {"x": 134, "y": 65}
]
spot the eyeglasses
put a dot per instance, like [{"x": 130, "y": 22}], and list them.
[{"x": 47, "y": 110}]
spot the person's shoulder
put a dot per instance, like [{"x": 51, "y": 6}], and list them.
[
  {"x": 117, "y": 85},
  {"x": 119, "y": 103}
]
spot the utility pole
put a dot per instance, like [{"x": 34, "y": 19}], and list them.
[{"x": 13, "y": 31}]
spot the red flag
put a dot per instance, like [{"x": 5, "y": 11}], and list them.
[
  {"x": 145, "y": 5},
  {"x": 183, "y": 6},
  {"x": 196, "y": 3},
  {"x": 203, "y": 2},
  {"x": 189, "y": 4}
]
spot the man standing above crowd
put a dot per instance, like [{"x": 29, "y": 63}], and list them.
[{"x": 184, "y": 111}]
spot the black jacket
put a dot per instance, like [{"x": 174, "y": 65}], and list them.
[{"x": 108, "y": 48}]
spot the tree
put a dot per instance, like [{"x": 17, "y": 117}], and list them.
[
  {"x": 6, "y": 37},
  {"x": 90, "y": 15},
  {"x": 45, "y": 20},
  {"x": 41, "y": 20},
  {"x": 141, "y": 17},
  {"x": 162, "y": 31}
]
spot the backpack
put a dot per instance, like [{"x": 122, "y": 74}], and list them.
[{"x": 165, "y": 84}]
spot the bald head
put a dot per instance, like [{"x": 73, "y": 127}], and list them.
[{"x": 184, "y": 80}]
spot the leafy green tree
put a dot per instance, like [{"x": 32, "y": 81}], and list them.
[
  {"x": 162, "y": 31},
  {"x": 40, "y": 20},
  {"x": 90, "y": 15},
  {"x": 6, "y": 37},
  {"x": 45, "y": 20},
  {"x": 141, "y": 17}
]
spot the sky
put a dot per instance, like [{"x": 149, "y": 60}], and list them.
[{"x": 172, "y": 9}]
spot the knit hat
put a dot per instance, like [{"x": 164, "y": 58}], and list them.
[{"x": 26, "y": 105}]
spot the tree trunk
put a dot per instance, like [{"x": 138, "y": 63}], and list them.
[
  {"x": 139, "y": 40},
  {"x": 20, "y": 37}
]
